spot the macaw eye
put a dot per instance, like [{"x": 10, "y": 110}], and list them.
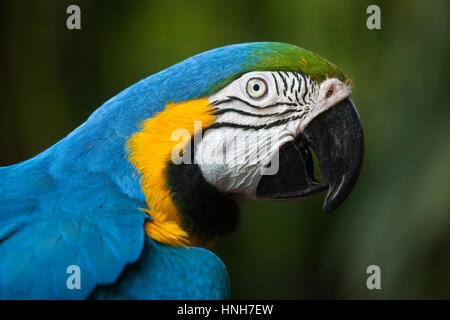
[{"x": 256, "y": 88}]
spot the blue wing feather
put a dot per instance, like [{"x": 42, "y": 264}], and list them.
[
  {"x": 50, "y": 220},
  {"x": 164, "y": 272}
]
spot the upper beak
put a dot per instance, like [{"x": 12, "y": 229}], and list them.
[{"x": 336, "y": 136}]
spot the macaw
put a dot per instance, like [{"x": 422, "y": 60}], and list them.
[{"x": 135, "y": 196}]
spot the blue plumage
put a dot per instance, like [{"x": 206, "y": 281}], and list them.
[
  {"x": 79, "y": 201},
  {"x": 48, "y": 223},
  {"x": 164, "y": 272}
]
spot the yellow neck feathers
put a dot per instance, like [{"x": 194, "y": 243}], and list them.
[{"x": 150, "y": 151}]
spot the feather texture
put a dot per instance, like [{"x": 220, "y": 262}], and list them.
[
  {"x": 165, "y": 272},
  {"x": 79, "y": 202}
]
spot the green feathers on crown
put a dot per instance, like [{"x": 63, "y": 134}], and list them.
[{"x": 286, "y": 57}]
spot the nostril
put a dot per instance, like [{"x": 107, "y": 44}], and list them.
[{"x": 329, "y": 92}]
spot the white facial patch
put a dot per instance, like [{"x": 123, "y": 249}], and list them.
[{"x": 255, "y": 115}]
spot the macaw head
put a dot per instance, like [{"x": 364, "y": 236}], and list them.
[{"x": 242, "y": 122}]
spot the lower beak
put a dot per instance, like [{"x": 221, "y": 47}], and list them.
[{"x": 336, "y": 136}]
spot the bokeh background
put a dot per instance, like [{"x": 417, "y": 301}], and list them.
[{"x": 397, "y": 217}]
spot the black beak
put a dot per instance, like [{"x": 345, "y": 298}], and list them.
[{"x": 336, "y": 136}]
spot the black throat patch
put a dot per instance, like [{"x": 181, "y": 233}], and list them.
[{"x": 205, "y": 211}]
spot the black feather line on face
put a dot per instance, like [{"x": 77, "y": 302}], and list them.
[
  {"x": 306, "y": 90},
  {"x": 244, "y": 113},
  {"x": 292, "y": 85},
  {"x": 284, "y": 82},
  {"x": 297, "y": 76},
  {"x": 257, "y": 107},
  {"x": 276, "y": 83},
  {"x": 219, "y": 102},
  {"x": 259, "y": 127}
]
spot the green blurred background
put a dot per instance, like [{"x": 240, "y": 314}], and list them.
[{"x": 397, "y": 217}]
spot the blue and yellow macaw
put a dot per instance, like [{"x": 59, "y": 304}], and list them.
[{"x": 135, "y": 195}]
